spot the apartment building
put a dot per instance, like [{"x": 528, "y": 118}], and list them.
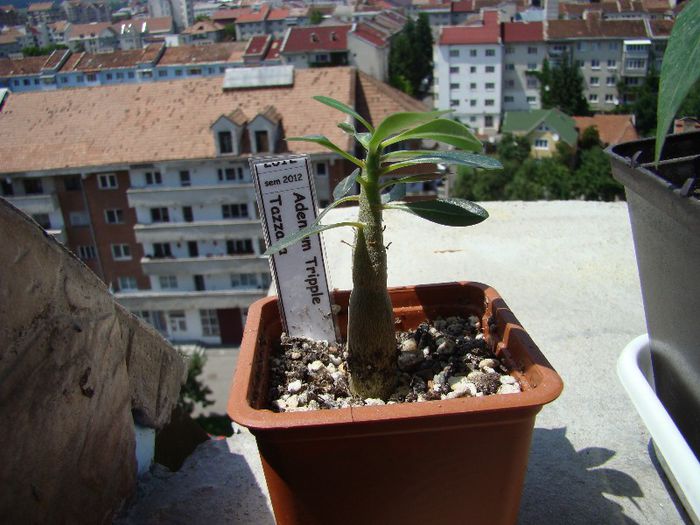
[
  {"x": 469, "y": 73},
  {"x": 369, "y": 42},
  {"x": 524, "y": 53},
  {"x": 149, "y": 184},
  {"x": 85, "y": 11},
  {"x": 42, "y": 13},
  {"x": 313, "y": 46},
  {"x": 181, "y": 11}
]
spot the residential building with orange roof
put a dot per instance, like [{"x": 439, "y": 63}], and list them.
[
  {"x": 9, "y": 15},
  {"x": 313, "y": 46},
  {"x": 469, "y": 72},
  {"x": 42, "y": 13},
  {"x": 369, "y": 42},
  {"x": 86, "y": 11},
  {"x": 612, "y": 129},
  {"x": 524, "y": 53},
  {"x": 149, "y": 184},
  {"x": 135, "y": 33},
  {"x": 181, "y": 11},
  {"x": 202, "y": 33},
  {"x": 97, "y": 37}
]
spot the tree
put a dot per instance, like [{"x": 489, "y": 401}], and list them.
[
  {"x": 645, "y": 103},
  {"x": 35, "y": 51},
  {"x": 562, "y": 87},
  {"x": 194, "y": 392},
  {"x": 593, "y": 179},
  {"x": 230, "y": 31},
  {"x": 589, "y": 138},
  {"x": 201, "y": 18},
  {"x": 540, "y": 179},
  {"x": 315, "y": 17},
  {"x": 411, "y": 57}
]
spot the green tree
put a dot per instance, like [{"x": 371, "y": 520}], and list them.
[
  {"x": 645, "y": 104},
  {"x": 315, "y": 17},
  {"x": 540, "y": 179},
  {"x": 202, "y": 18},
  {"x": 562, "y": 87},
  {"x": 589, "y": 138},
  {"x": 411, "y": 57},
  {"x": 593, "y": 179},
  {"x": 194, "y": 392},
  {"x": 230, "y": 31},
  {"x": 35, "y": 51}
]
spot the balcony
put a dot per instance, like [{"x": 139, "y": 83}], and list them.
[
  {"x": 194, "y": 231},
  {"x": 189, "y": 195},
  {"x": 32, "y": 204},
  {"x": 205, "y": 265},
  {"x": 179, "y": 300}
]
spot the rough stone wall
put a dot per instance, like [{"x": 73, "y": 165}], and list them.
[{"x": 74, "y": 367}]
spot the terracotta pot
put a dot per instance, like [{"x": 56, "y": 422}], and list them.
[{"x": 462, "y": 460}]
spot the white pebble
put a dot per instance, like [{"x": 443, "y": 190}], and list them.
[
  {"x": 488, "y": 363},
  {"x": 454, "y": 380},
  {"x": 293, "y": 401},
  {"x": 336, "y": 360},
  {"x": 509, "y": 389},
  {"x": 294, "y": 386},
  {"x": 280, "y": 404},
  {"x": 315, "y": 367},
  {"x": 371, "y": 401},
  {"x": 409, "y": 345},
  {"x": 508, "y": 380}
]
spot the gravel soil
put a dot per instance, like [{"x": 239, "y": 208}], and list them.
[{"x": 444, "y": 359}]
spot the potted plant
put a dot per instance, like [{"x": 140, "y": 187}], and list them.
[
  {"x": 663, "y": 196},
  {"x": 462, "y": 459}
]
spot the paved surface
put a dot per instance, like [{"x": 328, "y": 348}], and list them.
[{"x": 567, "y": 270}]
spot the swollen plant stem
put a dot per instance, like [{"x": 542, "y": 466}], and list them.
[{"x": 371, "y": 340}]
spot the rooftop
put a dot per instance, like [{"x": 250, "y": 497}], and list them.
[
  {"x": 203, "y": 27},
  {"x": 222, "y": 52},
  {"x": 315, "y": 38},
  {"x": 487, "y": 32},
  {"x": 595, "y": 27},
  {"x": 526, "y": 121},
  {"x": 516, "y": 32},
  {"x": 40, "y": 6},
  {"x": 612, "y": 129},
  {"x": 568, "y": 271}
]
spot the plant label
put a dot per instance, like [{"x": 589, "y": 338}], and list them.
[{"x": 287, "y": 202}]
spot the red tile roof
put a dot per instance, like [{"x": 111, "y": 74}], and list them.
[
  {"x": 278, "y": 13},
  {"x": 40, "y": 6},
  {"x": 660, "y": 28},
  {"x": 222, "y": 52},
  {"x": 203, "y": 27},
  {"x": 24, "y": 66},
  {"x": 612, "y": 129},
  {"x": 250, "y": 15},
  {"x": 273, "y": 52},
  {"x": 116, "y": 59},
  {"x": 514, "y": 32},
  {"x": 488, "y": 32},
  {"x": 316, "y": 38},
  {"x": 93, "y": 29},
  {"x": 257, "y": 45},
  {"x": 370, "y": 35},
  {"x": 463, "y": 6},
  {"x": 594, "y": 27}
]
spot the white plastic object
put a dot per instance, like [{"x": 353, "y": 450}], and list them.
[
  {"x": 677, "y": 459},
  {"x": 145, "y": 447}
]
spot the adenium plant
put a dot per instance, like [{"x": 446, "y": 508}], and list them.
[{"x": 371, "y": 335}]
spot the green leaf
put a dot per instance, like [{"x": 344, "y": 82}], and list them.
[
  {"x": 399, "y": 122},
  {"x": 336, "y": 104},
  {"x": 448, "y": 212},
  {"x": 345, "y": 185},
  {"x": 286, "y": 242},
  {"x": 442, "y": 130},
  {"x": 409, "y": 179},
  {"x": 347, "y": 128},
  {"x": 679, "y": 70},
  {"x": 323, "y": 141},
  {"x": 363, "y": 139},
  {"x": 402, "y": 159},
  {"x": 396, "y": 193}
]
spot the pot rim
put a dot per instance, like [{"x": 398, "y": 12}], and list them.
[{"x": 549, "y": 384}]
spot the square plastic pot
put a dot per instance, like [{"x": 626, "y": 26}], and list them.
[
  {"x": 666, "y": 233},
  {"x": 462, "y": 460}
]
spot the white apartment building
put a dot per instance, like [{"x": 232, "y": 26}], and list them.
[
  {"x": 181, "y": 11},
  {"x": 524, "y": 52},
  {"x": 469, "y": 73}
]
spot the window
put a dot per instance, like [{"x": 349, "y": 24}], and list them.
[
  {"x": 225, "y": 142},
  {"x": 199, "y": 283},
  {"x": 131, "y": 74},
  {"x": 162, "y": 73},
  {"x": 78, "y": 218},
  {"x": 64, "y": 80},
  {"x": 531, "y": 100},
  {"x": 531, "y": 50},
  {"x": 510, "y": 83},
  {"x": 167, "y": 282},
  {"x": 472, "y": 102},
  {"x": 244, "y": 280},
  {"x": 472, "y": 119},
  {"x": 115, "y": 216},
  {"x": 72, "y": 183},
  {"x": 610, "y": 81},
  {"x": 472, "y": 69},
  {"x": 636, "y": 47},
  {"x": 232, "y": 211},
  {"x": 231, "y": 174},
  {"x": 510, "y": 50},
  {"x": 178, "y": 72},
  {"x": 490, "y": 53},
  {"x": 8, "y": 189},
  {"x": 193, "y": 248},
  {"x": 488, "y": 102},
  {"x": 87, "y": 252},
  {"x": 210, "y": 323},
  {"x": 42, "y": 220},
  {"x": 127, "y": 283},
  {"x": 609, "y": 99},
  {"x": 177, "y": 321},
  {"x": 595, "y": 63},
  {"x": 472, "y": 52},
  {"x": 121, "y": 252},
  {"x": 531, "y": 82},
  {"x": 635, "y": 63},
  {"x": 26, "y": 82},
  {"x": 510, "y": 67},
  {"x": 161, "y": 249},
  {"x": 153, "y": 177},
  {"x": 454, "y": 103},
  {"x": 194, "y": 71},
  {"x": 321, "y": 169},
  {"x": 490, "y": 69},
  {"x": 107, "y": 181},
  {"x": 595, "y": 81},
  {"x": 593, "y": 97},
  {"x": 631, "y": 81},
  {"x": 613, "y": 45},
  {"x": 160, "y": 215},
  {"x": 581, "y": 46},
  {"x": 454, "y": 85},
  {"x": 109, "y": 76},
  {"x": 262, "y": 142},
  {"x": 612, "y": 64},
  {"x": 472, "y": 85},
  {"x": 120, "y": 76},
  {"x": 91, "y": 77},
  {"x": 33, "y": 186},
  {"x": 187, "y": 213},
  {"x": 239, "y": 246},
  {"x": 508, "y": 99},
  {"x": 454, "y": 52},
  {"x": 490, "y": 86},
  {"x": 541, "y": 144},
  {"x": 80, "y": 78},
  {"x": 454, "y": 69},
  {"x": 185, "y": 178},
  {"x": 488, "y": 121},
  {"x": 532, "y": 66}
]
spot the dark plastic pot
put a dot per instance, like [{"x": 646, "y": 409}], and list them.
[
  {"x": 462, "y": 460},
  {"x": 666, "y": 231}
]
